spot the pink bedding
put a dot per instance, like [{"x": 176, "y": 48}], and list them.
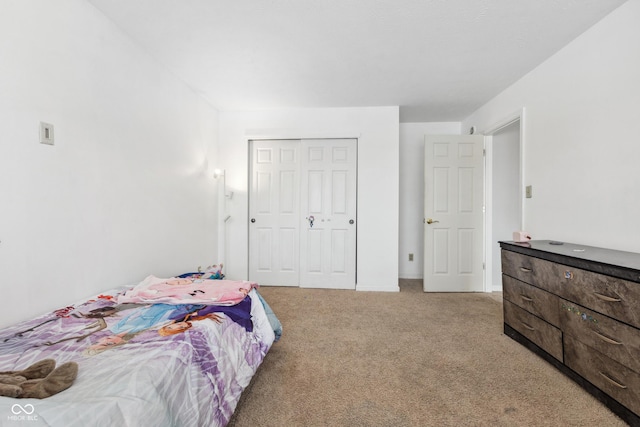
[{"x": 187, "y": 290}]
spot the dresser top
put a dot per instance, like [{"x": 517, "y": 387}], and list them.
[{"x": 607, "y": 261}]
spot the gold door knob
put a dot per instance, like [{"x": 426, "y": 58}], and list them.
[{"x": 430, "y": 221}]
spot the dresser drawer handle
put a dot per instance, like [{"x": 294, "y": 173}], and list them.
[
  {"x": 527, "y": 326},
  {"x": 606, "y": 298},
  {"x": 526, "y": 298},
  {"x": 525, "y": 270},
  {"x": 607, "y": 339},
  {"x": 612, "y": 381}
]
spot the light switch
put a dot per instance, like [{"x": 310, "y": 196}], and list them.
[
  {"x": 528, "y": 191},
  {"x": 46, "y": 133}
]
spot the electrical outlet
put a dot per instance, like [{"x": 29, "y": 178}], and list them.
[{"x": 410, "y": 257}]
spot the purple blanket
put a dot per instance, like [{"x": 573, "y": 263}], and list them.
[{"x": 141, "y": 364}]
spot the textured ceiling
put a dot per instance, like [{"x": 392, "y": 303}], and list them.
[{"x": 438, "y": 60}]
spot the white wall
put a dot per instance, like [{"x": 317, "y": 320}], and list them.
[
  {"x": 412, "y": 192},
  {"x": 378, "y": 160},
  {"x": 123, "y": 192},
  {"x": 581, "y": 140}
]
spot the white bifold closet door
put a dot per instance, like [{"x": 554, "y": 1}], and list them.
[{"x": 302, "y": 212}]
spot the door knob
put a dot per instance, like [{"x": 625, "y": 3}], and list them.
[
  {"x": 253, "y": 220},
  {"x": 430, "y": 221}
]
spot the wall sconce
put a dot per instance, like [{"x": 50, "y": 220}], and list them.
[{"x": 220, "y": 173}]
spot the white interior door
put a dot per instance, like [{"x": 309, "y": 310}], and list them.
[
  {"x": 453, "y": 209},
  {"x": 302, "y": 211},
  {"x": 328, "y": 207},
  {"x": 274, "y": 213}
]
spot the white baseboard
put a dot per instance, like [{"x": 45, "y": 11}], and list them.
[{"x": 373, "y": 288}]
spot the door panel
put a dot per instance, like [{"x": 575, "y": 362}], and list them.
[
  {"x": 288, "y": 190},
  {"x": 274, "y": 207},
  {"x": 315, "y": 192},
  {"x": 328, "y": 244},
  {"x": 264, "y": 247},
  {"x": 441, "y": 251},
  {"x": 339, "y": 246},
  {"x": 454, "y": 198},
  {"x": 339, "y": 202},
  {"x": 314, "y": 251},
  {"x": 288, "y": 249},
  {"x": 265, "y": 193}
]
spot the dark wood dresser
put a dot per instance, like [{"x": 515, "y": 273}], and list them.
[{"x": 578, "y": 307}]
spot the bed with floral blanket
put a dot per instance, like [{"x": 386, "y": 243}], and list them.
[{"x": 143, "y": 361}]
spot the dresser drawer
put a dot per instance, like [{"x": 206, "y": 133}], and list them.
[
  {"x": 535, "y": 271},
  {"x": 616, "y": 380},
  {"x": 616, "y": 340},
  {"x": 532, "y": 299},
  {"x": 614, "y": 297},
  {"x": 541, "y": 333}
]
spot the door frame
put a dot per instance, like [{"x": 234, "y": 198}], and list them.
[
  {"x": 490, "y": 239},
  {"x": 295, "y": 136}
]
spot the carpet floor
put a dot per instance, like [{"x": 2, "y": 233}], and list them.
[{"x": 410, "y": 358}]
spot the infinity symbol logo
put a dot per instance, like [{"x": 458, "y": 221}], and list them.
[{"x": 18, "y": 409}]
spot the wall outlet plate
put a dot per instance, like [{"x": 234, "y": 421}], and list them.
[{"x": 46, "y": 133}]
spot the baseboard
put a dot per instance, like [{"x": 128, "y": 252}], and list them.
[
  {"x": 395, "y": 288},
  {"x": 411, "y": 276}
]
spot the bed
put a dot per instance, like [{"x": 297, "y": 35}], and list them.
[{"x": 143, "y": 359}]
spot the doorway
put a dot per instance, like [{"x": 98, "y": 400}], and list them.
[
  {"x": 504, "y": 192},
  {"x": 503, "y": 200},
  {"x": 303, "y": 213}
]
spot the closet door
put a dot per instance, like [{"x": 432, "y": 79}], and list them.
[
  {"x": 328, "y": 209},
  {"x": 274, "y": 213},
  {"x": 302, "y": 213}
]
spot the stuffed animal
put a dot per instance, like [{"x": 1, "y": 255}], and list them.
[
  {"x": 40, "y": 380},
  {"x": 213, "y": 272}
]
